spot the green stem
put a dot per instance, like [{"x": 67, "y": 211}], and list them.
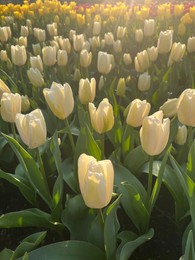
[
  {"x": 70, "y": 135},
  {"x": 149, "y": 180},
  {"x": 22, "y": 81},
  {"x": 41, "y": 164},
  {"x": 101, "y": 217},
  {"x": 14, "y": 131},
  {"x": 102, "y": 139},
  {"x": 190, "y": 136}
]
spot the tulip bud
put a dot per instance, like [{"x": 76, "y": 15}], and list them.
[
  {"x": 96, "y": 180},
  {"x": 10, "y": 106},
  {"x": 121, "y": 87},
  {"x": 25, "y": 104},
  {"x": 96, "y": 28},
  {"x": 109, "y": 38},
  {"x": 3, "y": 55},
  {"x": 186, "y": 107},
  {"x": 142, "y": 61},
  {"x": 104, "y": 62},
  {"x": 78, "y": 41},
  {"x": 127, "y": 58},
  {"x": 59, "y": 99},
  {"x": 138, "y": 110},
  {"x": 4, "y": 36},
  {"x": 191, "y": 44},
  {"x": 71, "y": 34},
  {"x": 120, "y": 32},
  {"x": 169, "y": 108},
  {"x": 22, "y": 41},
  {"x": 36, "y": 49},
  {"x": 24, "y": 31},
  {"x": 144, "y": 82},
  {"x": 49, "y": 55},
  {"x": 154, "y": 133},
  {"x": 152, "y": 53},
  {"x": 40, "y": 34},
  {"x": 87, "y": 90},
  {"x": 52, "y": 29},
  {"x": 177, "y": 53},
  {"x": 117, "y": 46},
  {"x": 85, "y": 58},
  {"x": 165, "y": 41},
  {"x": 95, "y": 42},
  {"x": 65, "y": 44},
  {"x": 35, "y": 77},
  {"x": 102, "y": 118},
  {"x": 86, "y": 46},
  {"x": 32, "y": 128},
  {"x": 149, "y": 26},
  {"x": 77, "y": 74},
  {"x": 181, "y": 135},
  {"x": 3, "y": 88},
  {"x": 139, "y": 35},
  {"x": 62, "y": 58},
  {"x": 36, "y": 62},
  {"x": 18, "y": 55}
]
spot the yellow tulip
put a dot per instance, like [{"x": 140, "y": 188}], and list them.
[{"x": 96, "y": 180}]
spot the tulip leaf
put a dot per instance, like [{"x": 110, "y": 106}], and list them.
[
  {"x": 93, "y": 148},
  {"x": 191, "y": 162},
  {"x": 28, "y": 244},
  {"x": 129, "y": 247},
  {"x": 28, "y": 218},
  {"x": 6, "y": 254},
  {"x": 18, "y": 181},
  {"x": 189, "y": 253},
  {"x": 34, "y": 174},
  {"x": 77, "y": 217},
  {"x": 68, "y": 174},
  {"x": 111, "y": 228},
  {"x": 71, "y": 250}
]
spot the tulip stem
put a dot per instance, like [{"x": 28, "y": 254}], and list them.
[
  {"x": 70, "y": 135},
  {"x": 102, "y": 137},
  {"x": 14, "y": 131},
  {"x": 149, "y": 180},
  {"x": 190, "y": 136},
  {"x": 101, "y": 217},
  {"x": 40, "y": 161},
  {"x": 22, "y": 81}
]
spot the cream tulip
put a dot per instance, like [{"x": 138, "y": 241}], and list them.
[
  {"x": 96, "y": 180},
  {"x": 102, "y": 118},
  {"x": 138, "y": 110},
  {"x": 10, "y": 106},
  {"x": 149, "y": 26},
  {"x": 152, "y": 53},
  {"x": 3, "y": 55},
  {"x": 191, "y": 44},
  {"x": 85, "y": 58},
  {"x": 186, "y": 107},
  {"x": 144, "y": 81},
  {"x": 177, "y": 53},
  {"x": 96, "y": 28},
  {"x": 139, "y": 35},
  {"x": 3, "y": 88},
  {"x": 60, "y": 99},
  {"x": 165, "y": 41},
  {"x": 49, "y": 55},
  {"x": 104, "y": 64},
  {"x": 62, "y": 58},
  {"x": 36, "y": 62},
  {"x": 18, "y": 55},
  {"x": 154, "y": 133},
  {"x": 87, "y": 90},
  {"x": 127, "y": 58},
  {"x": 121, "y": 87},
  {"x": 24, "y": 31},
  {"x": 32, "y": 128},
  {"x": 4, "y": 36},
  {"x": 142, "y": 61},
  {"x": 120, "y": 33},
  {"x": 169, "y": 108},
  {"x": 78, "y": 41},
  {"x": 35, "y": 77},
  {"x": 181, "y": 136}
]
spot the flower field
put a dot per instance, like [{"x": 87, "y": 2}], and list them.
[{"x": 97, "y": 117}]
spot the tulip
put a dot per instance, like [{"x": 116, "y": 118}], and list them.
[
  {"x": 121, "y": 87},
  {"x": 96, "y": 180},
  {"x": 191, "y": 44},
  {"x": 102, "y": 118},
  {"x": 10, "y": 106},
  {"x": 52, "y": 29},
  {"x": 40, "y": 34},
  {"x": 18, "y": 55},
  {"x": 62, "y": 58},
  {"x": 169, "y": 108},
  {"x": 36, "y": 62},
  {"x": 95, "y": 42},
  {"x": 87, "y": 90},
  {"x": 60, "y": 99},
  {"x": 142, "y": 61},
  {"x": 49, "y": 55},
  {"x": 78, "y": 41},
  {"x": 127, "y": 58},
  {"x": 65, "y": 44},
  {"x": 165, "y": 41},
  {"x": 109, "y": 38},
  {"x": 149, "y": 26},
  {"x": 186, "y": 107},
  {"x": 177, "y": 53},
  {"x": 181, "y": 135},
  {"x": 35, "y": 77},
  {"x": 139, "y": 35},
  {"x": 144, "y": 82},
  {"x": 3, "y": 55},
  {"x": 101, "y": 83},
  {"x": 152, "y": 53},
  {"x": 154, "y": 133},
  {"x": 25, "y": 104},
  {"x": 24, "y": 31},
  {"x": 96, "y": 28},
  {"x": 117, "y": 46},
  {"x": 85, "y": 58},
  {"x": 104, "y": 62},
  {"x": 71, "y": 34},
  {"x": 32, "y": 128},
  {"x": 36, "y": 49},
  {"x": 138, "y": 110},
  {"x": 181, "y": 29},
  {"x": 3, "y": 88},
  {"x": 120, "y": 32},
  {"x": 22, "y": 41},
  {"x": 4, "y": 36}
]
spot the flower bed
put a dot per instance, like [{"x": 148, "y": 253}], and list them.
[{"x": 97, "y": 138}]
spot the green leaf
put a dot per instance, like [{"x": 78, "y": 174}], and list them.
[
  {"x": 68, "y": 174},
  {"x": 189, "y": 249},
  {"x": 6, "y": 254},
  {"x": 25, "y": 189},
  {"x": 127, "y": 250},
  {"x": 191, "y": 161},
  {"x": 28, "y": 218},
  {"x": 111, "y": 228},
  {"x": 34, "y": 174},
  {"x": 93, "y": 148},
  {"x": 77, "y": 217},
  {"x": 70, "y": 250},
  {"x": 28, "y": 244}
]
